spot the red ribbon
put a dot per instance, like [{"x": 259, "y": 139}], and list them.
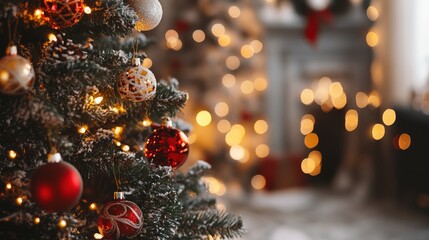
[{"x": 314, "y": 18}]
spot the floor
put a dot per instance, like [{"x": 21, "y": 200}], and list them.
[{"x": 317, "y": 215}]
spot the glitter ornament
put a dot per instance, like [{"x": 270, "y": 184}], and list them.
[
  {"x": 16, "y": 73},
  {"x": 120, "y": 218},
  {"x": 63, "y": 13},
  {"x": 137, "y": 84},
  {"x": 149, "y": 13},
  {"x": 167, "y": 146},
  {"x": 56, "y": 186}
]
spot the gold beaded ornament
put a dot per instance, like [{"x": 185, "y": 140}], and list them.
[
  {"x": 16, "y": 73},
  {"x": 137, "y": 84}
]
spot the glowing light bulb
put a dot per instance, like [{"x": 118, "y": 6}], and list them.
[
  {"x": 98, "y": 236},
  {"x": 36, "y": 220},
  {"x": 87, "y": 10},
  {"x": 12, "y": 154},
  {"x": 83, "y": 129},
  {"x": 204, "y": 118},
  {"x": 62, "y": 223},
  {"x": 19, "y": 200},
  {"x": 93, "y": 206},
  {"x": 52, "y": 37},
  {"x": 98, "y": 100},
  {"x": 125, "y": 148},
  {"x": 38, "y": 14},
  {"x": 8, "y": 186}
]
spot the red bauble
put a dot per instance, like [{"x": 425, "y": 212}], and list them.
[
  {"x": 56, "y": 187},
  {"x": 63, "y": 13},
  {"x": 120, "y": 218},
  {"x": 167, "y": 146}
]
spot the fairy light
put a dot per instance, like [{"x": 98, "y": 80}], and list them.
[
  {"x": 224, "y": 40},
  {"x": 171, "y": 34},
  {"x": 378, "y": 131},
  {"x": 372, "y": 39},
  {"x": 203, "y": 118},
  {"x": 234, "y": 11},
  {"x": 62, "y": 223},
  {"x": 232, "y": 62},
  {"x": 228, "y": 80},
  {"x": 87, "y": 10},
  {"x": 36, "y": 220},
  {"x": 8, "y": 186},
  {"x": 98, "y": 100},
  {"x": 260, "y": 126},
  {"x": 307, "y": 96},
  {"x": 257, "y": 46},
  {"x": 262, "y": 151},
  {"x": 221, "y": 109},
  {"x": 218, "y": 29},
  {"x": 223, "y": 126},
  {"x": 260, "y": 84},
  {"x": 372, "y": 13},
  {"x": 247, "y": 87},
  {"x": 125, "y": 148},
  {"x": 404, "y": 141},
  {"x": 147, "y": 63},
  {"x": 118, "y": 131},
  {"x": 83, "y": 129},
  {"x": 98, "y": 236},
  {"x": 389, "y": 117},
  {"x": 311, "y": 140},
  {"x": 93, "y": 206},
  {"x": 38, "y": 14},
  {"x": 52, "y": 37},
  {"x": 19, "y": 200},
  {"x": 147, "y": 122},
  {"x": 247, "y": 51},
  {"x": 237, "y": 152},
  {"x": 258, "y": 182},
  {"x": 12, "y": 154},
  {"x": 198, "y": 36}
]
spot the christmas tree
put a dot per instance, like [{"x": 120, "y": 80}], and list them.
[{"x": 78, "y": 122}]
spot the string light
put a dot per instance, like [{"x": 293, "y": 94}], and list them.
[
  {"x": 247, "y": 87},
  {"x": 98, "y": 236},
  {"x": 378, "y": 131},
  {"x": 308, "y": 165},
  {"x": 38, "y": 14},
  {"x": 352, "y": 120},
  {"x": 62, "y": 223},
  {"x": 12, "y": 154},
  {"x": 52, "y": 37},
  {"x": 8, "y": 186},
  {"x": 307, "y": 96},
  {"x": 36, "y": 220},
  {"x": 98, "y": 100},
  {"x": 257, "y": 46},
  {"x": 93, "y": 206},
  {"x": 234, "y": 11},
  {"x": 361, "y": 99},
  {"x": 372, "y": 39},
  {"x": 237, "y": 152},
  {"x": 260, "y": 126},
  {"x": 311, "y": 140},
  {"x": 125, "y": 148},
  {"x": 171, "y": 34},
  {"x": 87, "y": 10},
  {"x": 228, "y": 80},
  {"x": 83, "y": 129},
  {"x": 389, "y": 117},
  {"x": 218, "y": 29},
  {"x": 118, "y": 131},
  {"x": 372, "y": 13},
  {"x": 224, "y": 40},
  {"x": 404, "y": 141},
  {"x": 221, "y": 109},
  {"x": 232, "y": 62},
  {"x": 223, "y": 126},
  {"x": 260, "y": 84},
  {"x": 19, "y": 200},
  {"x": 147, "y": 122},
  {"x": 262, "y": 151},
  {"x": 247, "y": 51}
]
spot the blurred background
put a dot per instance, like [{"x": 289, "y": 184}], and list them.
[{"x": 313, "y": 113}]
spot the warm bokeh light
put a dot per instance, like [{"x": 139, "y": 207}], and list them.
[
  {"x": 307, "y": 96},
  {"x": 378, "y": 131},
  {"x": 308, "y": 165},
  {"x": 404, "y": 141},
  {"x": 237, "y": 152},
  {"x": 309, "y": 116},
  {"x": 235, "y": 135},
  {"x": 203, "y": 118},
  {"x": 389, "y": 117},
  {"x": 233, "y": 62},
  {"x": 118, "y": 131},
  {"x": 321, "y": 95},
  {"x": 260, "y": 84},
  {"x": 178, "y": 45},
  {"x": 147, "y": 63},
  {"x": 234, "y": 11},
  {"x": 87, "y": 10},
  {"x": 352, "y": 120},
  {"x": 316, "y": 156},
  {"x": 171, "y": 34},
  {"x": 198, "y": 36},
  {"x": 257, "y": 46},
  {"x": 311, "y": 140},
  {"x": 218, "y": 29},
  {"x": 262, "y": 150},
  {"x": 192, "y": 138},
  {"x": 260, "y": 126},
  {"x": 372, "y": 39},
  {"x": 223, "y": 126},
  {"x": 372, "y": 13},
  {"x": 247, "y": 87},
  {"x": 36, "y": 220},
  {"x": 307, "y": 126},
  {"x": 221, "y": 109},
  {"x": 83, "y": 129},
  {"x": 340, "y": 102},
  {"x": 247, "y": 51},
  {"x": 374, "y": 99},
  {"x": 224, "y": 40},
  {"x": 228, "y": 80},
  {"x": 361, "y": 100},
  {"x": 258, "y": 182},
  {"x": 336, "y": 90},
  {"x": 12, "y": 154},
  {"x": 8, "y": 186}
]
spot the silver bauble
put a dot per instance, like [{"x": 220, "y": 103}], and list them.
[
  {"x": 16, "y": 73},
  {"x": 149, "y": 13}
]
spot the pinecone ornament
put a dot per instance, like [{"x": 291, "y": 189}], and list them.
[{"x": 63, "y": 50}]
